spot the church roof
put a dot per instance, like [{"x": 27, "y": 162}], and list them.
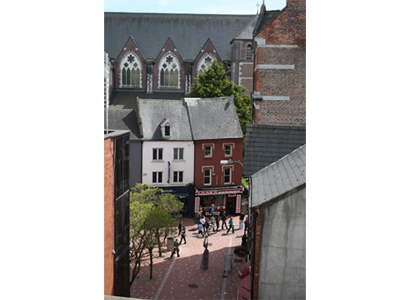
[
  {"x": 189, "y": 32},
  {"x": 265, "y": 19}
]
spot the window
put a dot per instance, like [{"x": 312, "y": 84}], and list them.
[
  {"x": 178, "y": 176},
  {"x": 204, "y": 63},
  {"x": 249, "y": 52},
  {"x": 167, "y": 130},
  {"x": 178, "y": 153},
  {"x": 207, "y": 177},
  {"x": 169, "y": 71},
  {"x": 130, "y": 71},
  {"x": 157, "y": 154},
  {"x": 156, "y": 177},
  {"x": 228, "y": 150},
  {"x": 208, "y": 151},
  {"x": 227, "y": 176}
]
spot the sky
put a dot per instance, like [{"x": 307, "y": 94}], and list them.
[{"x": 244, "y": 7}]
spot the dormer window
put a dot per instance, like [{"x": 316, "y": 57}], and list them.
[{"x": 166, "y": 128}]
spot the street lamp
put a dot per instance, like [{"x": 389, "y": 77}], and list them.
[{"x": 227, "y": 162}]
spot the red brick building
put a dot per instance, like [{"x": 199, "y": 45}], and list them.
[
  {"x": 279, "y": 88},
  {"x": 116, "y": 213}
]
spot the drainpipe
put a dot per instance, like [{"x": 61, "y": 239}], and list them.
[{"x": 255, "y": 215}]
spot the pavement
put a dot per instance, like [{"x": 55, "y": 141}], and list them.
[{"x": 182, "y": 278}]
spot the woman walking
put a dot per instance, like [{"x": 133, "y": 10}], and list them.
[{"x": 231, "y": 226}]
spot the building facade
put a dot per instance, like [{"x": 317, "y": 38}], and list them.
[
  {"x": 116, "y": 213},
  {"x": 279, "y": 87}
]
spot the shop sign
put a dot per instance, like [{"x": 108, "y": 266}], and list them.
[
  {"x": 220, "y": 192},
  {"x": 196, "y": 204},
  {"x": 238, "y": 204}
]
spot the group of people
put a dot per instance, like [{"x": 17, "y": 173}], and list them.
[{"x": 205, "y": 226}]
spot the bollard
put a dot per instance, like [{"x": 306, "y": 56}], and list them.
[{"x": 170, "y": 242}]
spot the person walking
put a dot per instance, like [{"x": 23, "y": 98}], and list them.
[
  {"x": 224, "y": 221},
  {"x": 241, "y": 218},
  {"x": 179, "y": 228},
  {"x": 213, "y": 226},
  {"x": 211, "y": 210},
  {"x": 183, "y": 233},
  {"x": 217, "y": 222},
  {"x": 231, "y": 226},
  {"x": 176, "y": 248},
  {"x": 200, "y": 228}
]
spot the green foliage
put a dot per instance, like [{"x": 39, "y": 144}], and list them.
[
  {"x": 214, "y": 83},
  {"x": 150, "y": 214}
]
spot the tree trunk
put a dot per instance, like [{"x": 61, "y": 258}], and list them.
[
  {"x": 159, "y": 243},
  {"x": 150, "y": 263}
]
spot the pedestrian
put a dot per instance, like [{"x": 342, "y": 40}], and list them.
[
  {"x": 179, "y": 228},
  {"x": 200, "y": 228},
  {"x": 224, "y": 221},
  {"x": 183, "y": 233},
  {"x": 217, "y": 222},
  {"x": 176, "y": 248},
  {"x": 241, "y": 218},
  {"x": 206, "y": 226},
  {"x": 211, "y": 210},
  {"x": 213, "y": 223},
  {"x": 231, "y": 226},
  {"x": 199, "y": 216},
  {"x": 244, "y": 240},
  {"x": 246, "y": 223}
]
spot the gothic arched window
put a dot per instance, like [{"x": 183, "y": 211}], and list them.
[
  {"x": 131, "y": 71},
  {"x": 249, "y": 51},
  {"x": 169, "y": 72},
  {"x": 204, "y": 63}
]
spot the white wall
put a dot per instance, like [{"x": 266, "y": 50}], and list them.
[{"x": 149, "y": 166}]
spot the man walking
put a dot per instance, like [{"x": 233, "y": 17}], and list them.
[
  {"x": 241, "y": 218},
  {"x": 179, "y": 228},
  {"x": 224, "y": 221},
  {"x": 176, "y": 248},
  {"x": 231, "y": 226}
]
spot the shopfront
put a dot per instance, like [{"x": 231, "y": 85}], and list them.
[
  {"x": 224, "y": 199},
  {"x": 183, "y": 195}
]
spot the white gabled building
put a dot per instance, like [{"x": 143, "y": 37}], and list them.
[{"x": 167, "y": 148}]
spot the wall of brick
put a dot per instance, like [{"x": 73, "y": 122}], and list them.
[
  {"x": 288, "y": 28},
  {"x": 108, "y": 216}
]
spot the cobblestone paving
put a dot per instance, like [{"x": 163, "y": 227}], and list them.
[{"x": 177, "y": 273}]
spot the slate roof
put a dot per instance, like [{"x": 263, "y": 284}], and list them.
[
  {"x": 122, "y": 119},
  {"x": 279, "y": 177},
  {"x": 265, "y": 144},
  {"x": 153, "y": 111},
  {"x": 189, "y": 32},
  {"x": 127, "y": 98},
  {"x": 213, "y": 118},
  {"x": 265, "y": 17}
]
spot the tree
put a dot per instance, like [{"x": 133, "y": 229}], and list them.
[{"x": 214, "y": 83}]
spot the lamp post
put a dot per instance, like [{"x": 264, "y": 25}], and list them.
[{"x": 228, "y": 162}]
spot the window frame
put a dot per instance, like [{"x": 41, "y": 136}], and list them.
[
  {"x": 157, "y": 177},
  {"x": 230, "y": 174},
  {"x": 157, "y": 154},
  {"x": 180, "y": 176},
  {"x": 178, "y": 152},
  {"x": 210, "y": 176}
]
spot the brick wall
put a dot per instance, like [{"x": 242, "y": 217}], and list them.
[
  {"x": 287, "y": 29},
  {"x": 108, "y": 216},
  {"x": 257, "y": 253}
]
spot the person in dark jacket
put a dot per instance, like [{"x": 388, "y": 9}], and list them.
[
  {"x": 224, "y": 221},
  {"x": 217, "y": 222},
  {"x": 179, "y": 228},
  {"x": 206, "y": 227},
  {"x": 183, "y": 233}
]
